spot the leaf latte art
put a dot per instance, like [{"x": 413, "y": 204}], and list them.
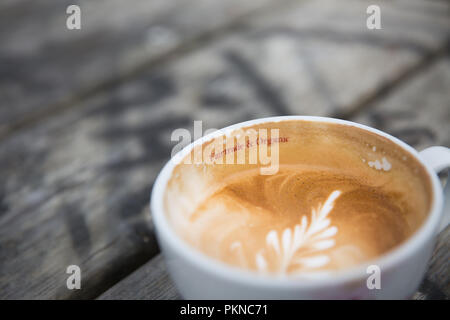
[{"x": 301, "y": 245}]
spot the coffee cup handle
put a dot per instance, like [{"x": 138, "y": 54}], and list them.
[{"x": 439, "y": 159}]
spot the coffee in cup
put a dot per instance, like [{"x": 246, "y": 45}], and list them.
[{"x": 340, "y": 196}]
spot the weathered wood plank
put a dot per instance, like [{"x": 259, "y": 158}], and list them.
[
  {"x": 436, "y": 284},
  {"x": 76, "y": 187},
  {"x": 44, "y": 66},
  {"x": 149, "y": 282},
  {"x": 326, "y": 51},
  {"x": 419, "y": 111}
]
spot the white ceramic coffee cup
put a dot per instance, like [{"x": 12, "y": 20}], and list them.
[{"x": 198, "y": 276}]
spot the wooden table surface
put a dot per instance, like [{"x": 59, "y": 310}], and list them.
[{"x": 86, "y": 115}]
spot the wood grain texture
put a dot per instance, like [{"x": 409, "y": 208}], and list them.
[
  {"x": 332, "y": 62},
  {"x": 149, "y": 282},
  {"x": 76, "y": 186},
  {"x": 436, "y": 284},
  {"x": 44, "y": 67},
  {"x": 419, "y": 111}
]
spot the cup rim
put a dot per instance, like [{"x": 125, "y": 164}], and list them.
[{"x": 235, "y": 274}]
